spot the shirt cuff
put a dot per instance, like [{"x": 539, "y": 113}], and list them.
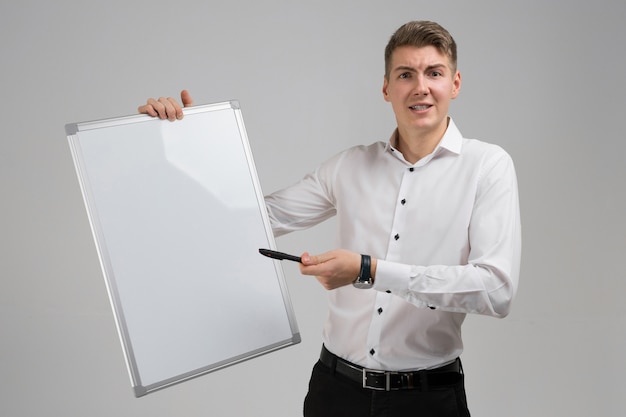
[{"x": 392, "y": 276}]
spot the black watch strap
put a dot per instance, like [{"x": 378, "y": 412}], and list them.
[{"x": 364, "y": 280}]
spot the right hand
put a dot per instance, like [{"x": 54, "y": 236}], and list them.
[{"x": 166, "y": 108}]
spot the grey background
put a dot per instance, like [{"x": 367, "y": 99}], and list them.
[{"x": 542, "y": 79}]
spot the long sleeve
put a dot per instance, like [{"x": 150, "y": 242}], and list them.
[
  {"x": 305, "y": 203},
  {"x": 487, "y": 282}
]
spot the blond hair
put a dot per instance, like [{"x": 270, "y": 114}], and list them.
[{"x": 421, "y": 33}]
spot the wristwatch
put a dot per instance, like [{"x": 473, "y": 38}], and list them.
[{"x": 364, "y": 280}]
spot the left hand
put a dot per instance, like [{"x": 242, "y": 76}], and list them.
[{"x": 333, "y": 269}]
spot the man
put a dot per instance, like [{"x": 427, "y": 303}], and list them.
[{"x": 428, "y": 231}]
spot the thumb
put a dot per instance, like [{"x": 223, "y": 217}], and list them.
[
  {"x": 307, "y": 259},
  {"x": 185, "y": 97}
]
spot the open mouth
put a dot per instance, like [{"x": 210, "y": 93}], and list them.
[{"x": 420, "y": 107}]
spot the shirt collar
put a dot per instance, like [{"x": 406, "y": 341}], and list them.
[{"x": 451, "y": 141}]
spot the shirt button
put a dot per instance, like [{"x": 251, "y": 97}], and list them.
[
  {"x": 411, "y": 169},
  {"x": 372, "y": 352},
  {"x": 388, "y": 291},
  {"x": 396, "y": 237},
  {"x": 380, "y": 310},
  {"x": 403, "y": 202}
]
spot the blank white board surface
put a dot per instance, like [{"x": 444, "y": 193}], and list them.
[{"x": 178, "y": 216}]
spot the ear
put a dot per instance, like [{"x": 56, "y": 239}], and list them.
[
  {"x": 385, "y": 88},
  {"x": 456, "y": 84}
]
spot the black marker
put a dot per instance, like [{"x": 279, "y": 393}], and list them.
[{"x": 279, "y": 255}]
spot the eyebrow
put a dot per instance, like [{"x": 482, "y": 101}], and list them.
[{"x": 413, "y": 69}]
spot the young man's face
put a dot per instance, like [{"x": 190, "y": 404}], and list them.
[{"x": 420, "y": 86}]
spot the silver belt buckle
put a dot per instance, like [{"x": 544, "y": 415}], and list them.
[{"x": 387, "y": 375}]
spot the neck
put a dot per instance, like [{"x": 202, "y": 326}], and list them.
[{"x": 415, "y": 145}]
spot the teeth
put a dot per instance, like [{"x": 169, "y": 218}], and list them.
[{"x": 420, "y": 107}]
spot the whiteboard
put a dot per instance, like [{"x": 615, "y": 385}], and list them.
[{"x": 178, "y": 216}]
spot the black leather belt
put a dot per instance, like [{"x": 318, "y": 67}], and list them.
[{"x": 391, "y": 380}]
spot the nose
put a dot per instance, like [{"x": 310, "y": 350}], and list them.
[{"x": 420, "y": 87}]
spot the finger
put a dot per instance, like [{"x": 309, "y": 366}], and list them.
[
  {"x": 306, "y": 259},
  {"x": 316, "y": 264},
  {"x": 321, "y": 258},
  {"x": 177, "y": 109},
  {"x": 310, "y": 260},
  {"x": 186, "y": 99},
  {"x": 154, "y": 108},
  {"x": 170, "y": 108},
  {"x": 147, "y": 109},
  {"x": 308, "y": 264}
]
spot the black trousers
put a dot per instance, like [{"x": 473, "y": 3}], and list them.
[{"x": 332, "y": 394}]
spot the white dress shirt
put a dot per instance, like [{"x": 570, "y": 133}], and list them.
[{"x": 446, "y": 233}]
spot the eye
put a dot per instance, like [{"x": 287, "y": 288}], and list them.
[
  {"x": 436, "y": 74},
  {"x": 405, "y": 75}
]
